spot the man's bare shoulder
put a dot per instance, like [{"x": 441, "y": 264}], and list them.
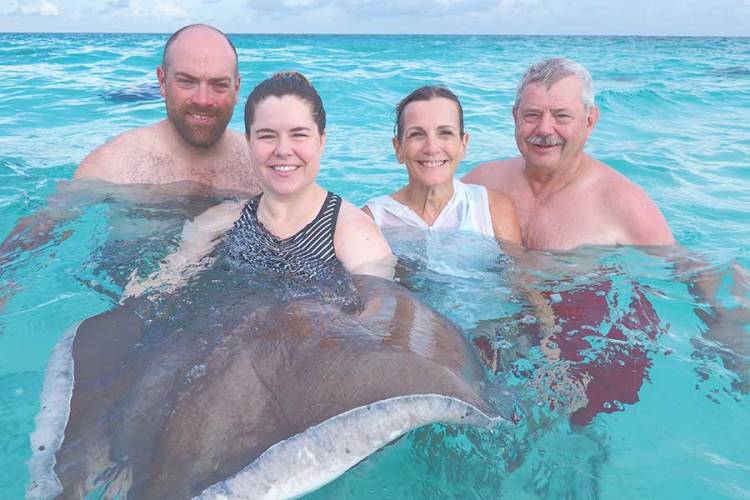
[
  {"x": 237, "y": 139},
  {"x": 637, "y": 213},
  {"x": 614, "y": 186},
  {"x": 113, "y": 160},
  {"x": 495, "y": 174},
  {"x": 233, "y": 169},
  {"x": 238, "y": 151}
]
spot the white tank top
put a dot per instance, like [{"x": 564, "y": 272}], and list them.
[{"x": 467, "y": 210}]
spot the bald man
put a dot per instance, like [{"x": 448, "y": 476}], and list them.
[{"x": 200, "y": 82}]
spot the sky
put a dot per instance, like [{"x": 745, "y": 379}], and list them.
[{"x": 497, "y": 17}]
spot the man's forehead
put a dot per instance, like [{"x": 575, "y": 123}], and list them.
[
  {"x": 200, "y": 48},
  {"x": 565, "y": 89}
]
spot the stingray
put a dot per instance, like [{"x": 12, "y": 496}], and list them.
[
  {"x": 144, "y": 92},
  {"x": 247, "y": 396}
]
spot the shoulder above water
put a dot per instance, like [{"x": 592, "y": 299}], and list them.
[
  {"x": 504, "y": 217},
  {"x": 149, "y": 155},
  {"x": 639, "y": 217},
  {"x": 495, "y": 174},
  {"x": 360, "y": 246},
  {"x": 119, "y": 160}
]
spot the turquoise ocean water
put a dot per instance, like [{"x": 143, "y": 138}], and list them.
[{"x": 675, "y": 118}]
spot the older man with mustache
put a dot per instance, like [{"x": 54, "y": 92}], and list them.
[{"x": 564, "y": 197}]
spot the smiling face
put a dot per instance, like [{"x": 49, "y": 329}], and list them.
[
  {"x": 200, "y": 85},
  {"x": 285, "y": 145},
  {"x": 552, "y": 125},
  {"x": 432, "y": 145}
]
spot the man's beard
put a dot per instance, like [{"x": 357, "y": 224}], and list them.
[{"x": 200, "y": 136}]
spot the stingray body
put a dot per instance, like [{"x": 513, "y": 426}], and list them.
[
  {"x": 251, "y": 397},
  {"x": 145, "y": 92}
]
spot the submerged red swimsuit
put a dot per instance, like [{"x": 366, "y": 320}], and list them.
[
  {"x": 615, "y": 362},
  {"x": 618, "y": 369}
]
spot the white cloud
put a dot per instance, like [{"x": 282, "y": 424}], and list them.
[
  {"x": 450, "y": 3},
  {"x": 586, "y": 17},
  {"x": 29, "y": 8},
  {"x": 285, "y": 7},
  {"x": 299, "y": 3},
  {"x": 8, "y": 8},
  {"x": 164, "y": 9},
  {"x": 117, "y": 4},
  {"x": 170, "y": 10},
  {"x": 48, "y": 9}
]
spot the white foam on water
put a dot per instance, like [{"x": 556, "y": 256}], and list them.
[
  {"x": 52, "y": 420},
  {"x": 313, "y": 458}
]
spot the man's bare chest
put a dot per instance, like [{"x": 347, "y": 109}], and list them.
[{"x": 565, "y": 225}]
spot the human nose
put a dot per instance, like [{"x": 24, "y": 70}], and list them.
[
  {"x": 545, "y": 124},
  {"x": 283, "y": 147},
  {"x": 202, "y": 95},
  {"x": 431, "y": 144}
]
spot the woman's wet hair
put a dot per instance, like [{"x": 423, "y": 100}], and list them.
[
  {"x": 279, "y": 85},
  {"x": 425, "y": 94}
]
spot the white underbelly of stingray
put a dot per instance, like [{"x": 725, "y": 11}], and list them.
[
  {"x": 322, "y": 453},
  {"x": 52, "y": 419}
]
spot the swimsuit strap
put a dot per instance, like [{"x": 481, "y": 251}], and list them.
[{"x": 302, "y": 253}]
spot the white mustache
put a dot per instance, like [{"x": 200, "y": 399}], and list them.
[{"x": 544, "y": 140}]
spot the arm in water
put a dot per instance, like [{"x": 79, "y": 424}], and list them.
[
  {"x": 727, "y": 322},
  {"x": 37, "y": 229},
  {"x": 199, "y": 237}
]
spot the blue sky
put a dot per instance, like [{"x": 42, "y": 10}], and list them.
[{"x": 526, "y": 17}]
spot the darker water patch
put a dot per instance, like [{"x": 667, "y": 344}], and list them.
[
  {"x": 145, "y": 92},
  {"x": 734, "y": 72}
]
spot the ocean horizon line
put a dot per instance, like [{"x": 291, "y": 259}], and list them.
[{"x": 489, "y": 35}]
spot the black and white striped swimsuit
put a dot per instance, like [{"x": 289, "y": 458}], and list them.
[{"x": 308, "y": 254}]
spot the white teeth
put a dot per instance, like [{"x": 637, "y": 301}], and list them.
[
  {"x": 199, "y": 117},
  {"x": 284, "y": 168},
  {"x": 432, "y": 163}
]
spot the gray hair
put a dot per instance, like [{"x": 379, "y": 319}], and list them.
[{"x": 552, "y": 70}]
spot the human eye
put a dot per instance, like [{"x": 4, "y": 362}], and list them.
[
  {"x": 415, "y": 134},
  {"x": 265, "y": 136},
  {"x": 446, "y": 133},
  {"x": 184, "y": 81},
  {"x": 221, "y": 86},
  {"x": 532, "y": 116}
]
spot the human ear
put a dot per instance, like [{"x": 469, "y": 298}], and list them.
[
  {"x": 161, "y": 75},
  {"x": 464, "y": 145},
  {"x": 397, "y": 149}
]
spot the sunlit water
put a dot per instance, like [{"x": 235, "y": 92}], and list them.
[{"x": 675, "y": 118}]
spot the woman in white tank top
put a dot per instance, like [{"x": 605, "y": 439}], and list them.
[{"x": 431, "y": 141}]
